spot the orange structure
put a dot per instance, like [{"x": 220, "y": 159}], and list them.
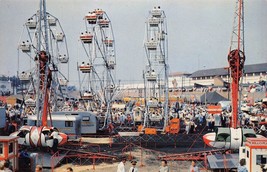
[
  {"x": 174, "y": 126},
  {"x": 45, "y": 83},
  {"x": 152, "y": 131},
  {"x": 9, "y": 150},
  {"x": 213, "y": 109}
]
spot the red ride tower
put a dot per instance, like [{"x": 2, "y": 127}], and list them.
[{"x": 236, "y": 58}]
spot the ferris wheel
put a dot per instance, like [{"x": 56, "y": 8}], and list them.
[
  {"x": 43, "y": 63},
  {"x": 97, "y": 67},
  {"x": 156, "y": 72}
]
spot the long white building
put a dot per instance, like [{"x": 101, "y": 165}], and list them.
[
  {"x": 208, "y": 77},
  {"x": 252, "y": 74}
]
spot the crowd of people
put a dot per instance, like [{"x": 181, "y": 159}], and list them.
[
  {"x": 195, "y": 115},
  {"x": 12, "y": 119},
  {"x": 191, "y": 115}
]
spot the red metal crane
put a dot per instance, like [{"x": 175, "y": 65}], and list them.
[
  {"x": 45, "y": 84},
  {"x": 236, "y": 58}
]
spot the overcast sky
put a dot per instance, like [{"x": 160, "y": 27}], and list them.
[{"x": 199, "y": 31}]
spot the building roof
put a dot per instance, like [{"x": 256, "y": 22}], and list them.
[
  {"x": 212, "y": 97},
  {"x": 253, "y": 68},
  {"x": 175, "y": 74}
]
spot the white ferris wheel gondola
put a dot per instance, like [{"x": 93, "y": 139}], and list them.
[
  {"x": 154, "y": 22},
  {"x": 91, "y": 17},
  {"x": 156, "y": 12},
  {"x": 99, "y": 13},
  {"x": 25, "y": 76},
  {"x": 108, "y": 42},
  {"x": 25, "y": 46},
  {"x": 103, "y": 23},
  {"x": 86, "y": 37},
  {"x": 31, "y": 23},
  {"x": 52, "y": 21},
  {"x": 152, "y": 44},
  {"x": 151, "y": 76},
  {"x": 63, "y": 58},
  {"x": 60, "y": 36},
  {"x": 85, "y": 68}
]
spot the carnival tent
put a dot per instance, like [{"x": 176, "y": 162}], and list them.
[{"x": 212, "y": 98}]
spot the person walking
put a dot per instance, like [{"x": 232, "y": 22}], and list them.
[
  {"x": 121, "y": 165},
  {"x": 69, "y": 169},
  {"x": 241, "y": 167},
  {"x": 38, "y": 168},
  {"x": 193, "y": 167},
  {"x": 133, "y": 168},
  {"x": 164, "y": 166}
]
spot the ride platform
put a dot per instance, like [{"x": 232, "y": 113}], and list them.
[
  {"x": 45, "y": 159},
  {"x": 223, "y": 161}
]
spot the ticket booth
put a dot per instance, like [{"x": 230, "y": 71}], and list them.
[
  {"x": 9, "y": 150},
  {"x": 255, "y": 153}
]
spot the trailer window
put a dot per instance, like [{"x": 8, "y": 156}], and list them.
[
  {"x": 86, "y": 118},
  {"x": 10, "y": 148},
  {"x": 247, "y": 154},
  {"x": 68, "y": 124},
  {"x": 1, "y": 149},
  {"x": 261, "y": 159}
]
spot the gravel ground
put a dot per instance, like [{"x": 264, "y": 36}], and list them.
[
  {"x": 150, "y": 163},
  {"x": 113, "y": 168}
]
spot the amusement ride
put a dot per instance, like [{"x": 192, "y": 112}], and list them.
[
  {"x": 97, "y": 70},
  {"x": 157, "y": 71},
  {"x": 46, "y": 48},
  {"x": 44, "y": 44},
  {"x": 234, "y": 136}
]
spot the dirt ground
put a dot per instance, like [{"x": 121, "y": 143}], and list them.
[
  {"x": 113, "y": 168},
  {"x": 149, "y": 163},
  {"x": 101, "y": 167}
]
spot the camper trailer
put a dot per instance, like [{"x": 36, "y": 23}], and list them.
[{"x": 71, "y": 123}]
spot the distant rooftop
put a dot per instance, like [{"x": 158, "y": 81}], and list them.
[
  {"x": 253, "y": 68},
  {"x": 179, "y": 74}
]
